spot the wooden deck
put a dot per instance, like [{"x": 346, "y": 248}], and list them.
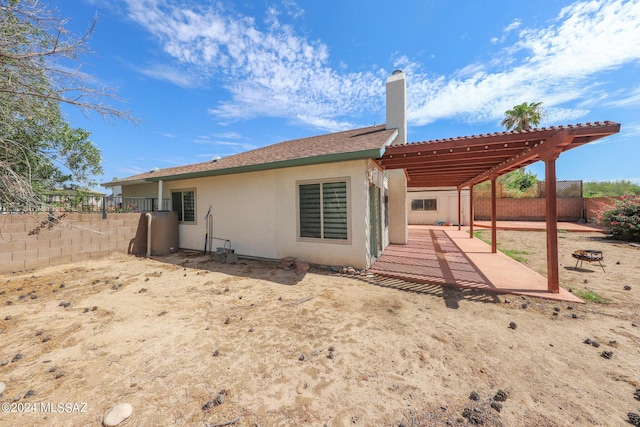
[{"x": 445, "y": 256}]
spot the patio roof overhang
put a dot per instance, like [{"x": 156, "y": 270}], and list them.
[{"x": 466, "y": 161}]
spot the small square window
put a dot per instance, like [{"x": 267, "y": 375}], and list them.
[{"x": 184, "y": 202}]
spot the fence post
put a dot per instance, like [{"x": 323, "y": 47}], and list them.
[
  {"x": 104, "y": 207},
  {"x": 49, "y": 202}
]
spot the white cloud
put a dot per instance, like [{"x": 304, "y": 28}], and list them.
[
  {"x": 555, "y": 65},
  {"x": 271, "y": 71},
  {"x": 173, "y": 75},
  {"x": 513, "y": 26},
  {"x": 626, "y": 99}
]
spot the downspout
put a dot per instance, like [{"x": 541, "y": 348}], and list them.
[{"x": 149, "y": 218}]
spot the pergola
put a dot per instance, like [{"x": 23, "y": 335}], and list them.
[{"x": 467, "y": 161}]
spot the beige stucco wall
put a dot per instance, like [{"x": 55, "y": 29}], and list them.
[
  {"x": 257, "y": 211},
  {"x": 447, "y": 207},
  {"x": 398, "y": 230}
]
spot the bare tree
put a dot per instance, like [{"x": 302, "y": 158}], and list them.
[{"x": 40, "y": 70}]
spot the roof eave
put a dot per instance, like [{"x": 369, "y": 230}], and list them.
[{"x": 373, "y": 153}]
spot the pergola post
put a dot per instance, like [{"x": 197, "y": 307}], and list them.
[
  {"x": 494, "y": 245},
  {"x": 471, "y": 211},
  {"x": 553, "y": 281},
  {"x": 459, "y": 208}
]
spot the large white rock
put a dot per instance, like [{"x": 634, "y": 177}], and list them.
[
  {"x": 2, "y": 387},
  {"x": 117, "y": 414}
]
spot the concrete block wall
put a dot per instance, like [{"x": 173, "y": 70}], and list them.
[
  {"x": 592, "y": 205},
  {"x": 569, "y": 209},
  {"x": 31, "y": 241}
]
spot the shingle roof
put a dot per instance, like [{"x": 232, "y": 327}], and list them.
[{"x": 368, "y": 142}]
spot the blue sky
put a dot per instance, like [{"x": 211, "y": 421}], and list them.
[{"x": 219, "y": 78}]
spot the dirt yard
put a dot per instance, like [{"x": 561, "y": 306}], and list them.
[{"x": 188, "y": 341}]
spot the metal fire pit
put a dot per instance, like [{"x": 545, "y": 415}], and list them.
[{"x": 588, "y": 255}]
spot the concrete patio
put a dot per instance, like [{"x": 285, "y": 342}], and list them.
[{"x": 447, "y": 256}]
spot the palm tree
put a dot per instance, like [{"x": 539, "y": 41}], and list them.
[{"x": 522, "y": 116}]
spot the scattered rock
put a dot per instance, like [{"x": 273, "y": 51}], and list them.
[
  {"x": 146, "y": 280},
  {"x": 117, "y": 414},
  {"x": 94, "y": 308},
  {"x": 9, "y": 317},
  {"x": 496, "y": 405},
  {"x": 627, "y": 288},
  {"x": 595, "y": 343},
  {"x": 585, "y": 281},
  {"x": 45, "y": 338},
  {"x": 474, "y": 395},
  {"x": 216, "y": 353},
  {"x": 574, "y": 316},
  {"x": 501, "y": 396},
  {"x": 330, "y": 355},
  {"x": 62, "y": 286},
  {"x": 219, "y": 400},
  {"x": 59, "y": 375},
  {"x": 163, "y": 312},
  {"x": 226, "y": 322},
  {"x": 3, "y": 386},
  {"x": 142, "y": 290},
  {"x": 332, "y": 348},
  {"x": 607, "y": 354},
  {"x": 29, "y": 394},
  {"x": 617, "y": 262},
  {"x": 250, "y": 330},
  {"x": 64, "y": 304},
  {"x": 16, "y": 358},
  {"x": 301, "y": 267},
  {"x": 554, "y": 313},
  {"x": 513, "y": 325},
  {"x": 5, "y": 362},
  {"x": 302, "y": 358},
  {"x": 634, "y": 419},
  {"x": 86, "y": 310},
  {"x": 636, "y": 394},
  {"x": 569, "y": 307},
  {"x": 556, "y": 308},
  {"x": 524, "y": 305},
  {"x": 587, "y": 340},
  {"x": 34, "y": 296},
  {"x": 9, "y": 302}
]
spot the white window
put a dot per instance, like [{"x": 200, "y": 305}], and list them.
[
  {"x": 184, "y": 202},
  {"x": 424, "y": 204},
  {"x": 323, "y": 210}
]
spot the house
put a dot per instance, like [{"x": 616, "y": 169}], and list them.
[
  {"x": 341, "y": 198},
  {"x": 437, "y": 205},
  {"x": 323, "y": 199}
]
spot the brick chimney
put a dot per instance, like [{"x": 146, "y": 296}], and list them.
[{"x": 397, "y": 105}]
